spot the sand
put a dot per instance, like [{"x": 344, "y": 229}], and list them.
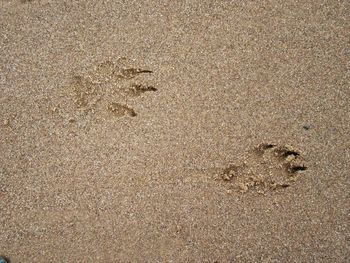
[{"x": 174, "y": 131}]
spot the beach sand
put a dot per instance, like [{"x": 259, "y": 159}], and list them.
[{"x": 174, "y": 131}]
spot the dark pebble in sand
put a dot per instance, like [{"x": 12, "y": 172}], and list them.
[{"x": 306, "y": 126}]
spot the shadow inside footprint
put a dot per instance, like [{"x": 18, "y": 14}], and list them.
[
  {"x": 285, "y": 152},
  {"x": 294, "y": 168},
  {"x": 119, "y": 110},
  {"x": 263, "y": 147}
]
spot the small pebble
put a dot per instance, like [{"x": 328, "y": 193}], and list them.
[{"x": 306, "y": 126}]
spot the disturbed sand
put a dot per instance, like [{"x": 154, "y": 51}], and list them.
[{"x": 174, "y": 131}]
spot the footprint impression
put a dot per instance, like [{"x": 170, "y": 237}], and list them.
[
  {"x": 268, "y": 167},
  {"x": 107, "y": 88}
]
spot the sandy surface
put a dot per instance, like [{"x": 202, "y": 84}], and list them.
[{"x": 174, "y": 131}]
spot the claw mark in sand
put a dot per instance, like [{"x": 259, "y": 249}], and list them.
[
  {"x": 120, "y": 110},
  {"x": 136, "y": 90}
]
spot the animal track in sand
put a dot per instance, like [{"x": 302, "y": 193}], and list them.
[
  {"x": 107, "y": 87},
  {"x": 268, "y": 167},
  {"x": 120, "y": 110}
]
